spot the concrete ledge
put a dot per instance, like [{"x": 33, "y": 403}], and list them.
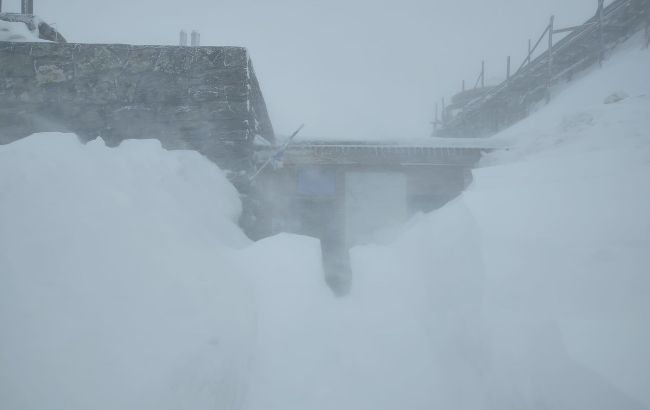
[{"x": 201, "y": 98}]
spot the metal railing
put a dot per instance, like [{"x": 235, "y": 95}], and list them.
[
  {"x": 543, "y": 68},
  {"x": 26, "y": 7}
]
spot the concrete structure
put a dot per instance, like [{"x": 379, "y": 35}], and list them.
[
  {"x": 208, "y": 99},
  {"x": 347, "y": 193},
  {"x": 315, "y": 172},
  {"x": 201, "y": 98}
]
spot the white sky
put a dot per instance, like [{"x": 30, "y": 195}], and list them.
[{"x": 348, "y": 69}]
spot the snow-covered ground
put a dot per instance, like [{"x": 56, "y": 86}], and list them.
[
  {"x": 125, "y": 283},
  {"x": 116, "y": 286}
]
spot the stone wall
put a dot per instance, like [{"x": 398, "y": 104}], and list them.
[{"x": 201, "y": 98}]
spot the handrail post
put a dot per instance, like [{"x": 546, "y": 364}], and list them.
[
  {"x": 483, "y": 74},
  {"x": 463, "y": 89},
  {"x": 435, "y": 122},
  {"x": 529, "y": 51},
  {"x": 550, "y": 59},
  {"x": 601, "y": 52},
  {"x": 508, "y": 71},
  {"x": 443, "y": 117}
]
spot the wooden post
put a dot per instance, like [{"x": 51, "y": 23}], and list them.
[
  {"x": 529, "y": 50},
  {"x": 601, "y": 51},
  {"x": 463, "y": 89},
  {"x": 483, "y": 74},
  {"x": 27, "y": 6},
  {"x": 442, "y": 113},
  {"x": 508, "y": 70},
  {"x": 550, "y": 59},
  {"x": 435, "y": 122}
]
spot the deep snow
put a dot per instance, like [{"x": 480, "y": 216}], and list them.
[
  {"x": 116, "y": 289},
  {"x": 125, "y": 282}
]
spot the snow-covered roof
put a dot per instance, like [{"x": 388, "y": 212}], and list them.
[{"x": 16, "y": 27}]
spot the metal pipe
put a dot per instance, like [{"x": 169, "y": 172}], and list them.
[
  {"x": 572, "y": 28},
  {"x": 27, "y": 6},
  {"x": 442, "y": 113},
  {"x": 435, "y": 122},
  {"x": 195, "y": 39},
  {"x": 550, "y": 59}
]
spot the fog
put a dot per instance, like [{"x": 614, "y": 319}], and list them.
[
  {"x": 348, "y": 69},
  {"x": 163, "y": 266}
]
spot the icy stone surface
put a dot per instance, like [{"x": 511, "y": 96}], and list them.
[{"x": 201, "y": 98}]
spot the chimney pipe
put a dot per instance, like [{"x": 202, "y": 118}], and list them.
[
  {"x": 27, "y": 6},
  {"x": 195, "y": 38}
]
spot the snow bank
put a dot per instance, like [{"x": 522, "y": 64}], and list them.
[
  {"x": 565, "y": 234},
  {"x": 529, "y": 291},
  {"x": 391, "y": 344},
  {"x": 116, "y": 286},
  {"x": 126, "y": 284},
  {"x": 560, "y": 230}
]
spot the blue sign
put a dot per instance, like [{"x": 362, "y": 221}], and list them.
[{"x": 317, "y": 182}]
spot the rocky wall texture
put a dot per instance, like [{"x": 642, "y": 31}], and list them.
[{"x": 201, "y": 98}]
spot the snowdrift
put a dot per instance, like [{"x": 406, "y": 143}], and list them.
[
  {"x": 116, "y": 286},
  {"x": 529, "y": 291},
  {"x": 125, "y": 282}
]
